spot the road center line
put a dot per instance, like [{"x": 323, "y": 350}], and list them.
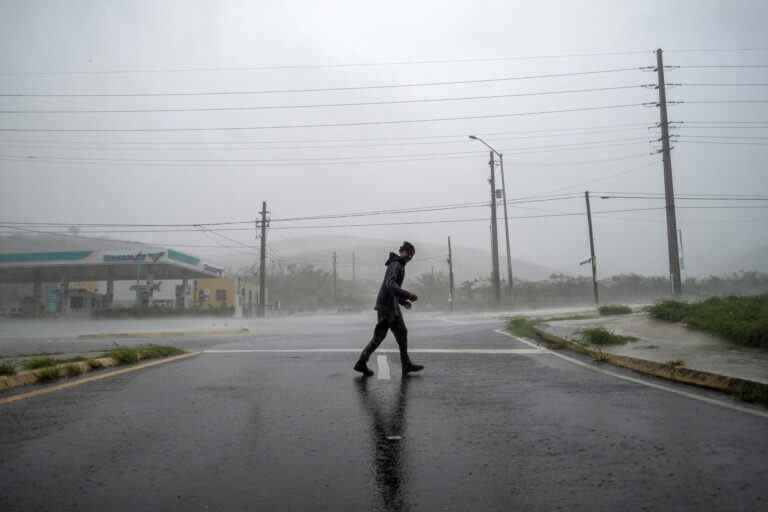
[
  {"x": 383, "y": 373},
  {"x": 641, "y": 382},
  {"x": 509, "y": 351}
]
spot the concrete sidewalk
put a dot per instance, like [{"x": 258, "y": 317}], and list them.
[{"x": 662, "y": 342}]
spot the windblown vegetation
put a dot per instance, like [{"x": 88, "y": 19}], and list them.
[
  {"x": 614, "y": 309},
  {"x": 601, "y": 337},
  {"x": 743, "y": 320}
]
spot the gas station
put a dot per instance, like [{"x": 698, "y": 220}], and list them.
[{"x": 145, "y": 265}]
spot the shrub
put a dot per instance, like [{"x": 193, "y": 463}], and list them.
[
  {"x": 521, "y": 326},
  {"x": 131, "y": 355},
  {"x": 7, "y": 368},
  {"x": 602, "y": 336},
  {"x": 38, "y": 362},
  {"x": 48, "y": 374},
  {"x": 743, "y": 320},
  {"x": 125, "y": 355},
  {"x": 669, "y": 310},
  {"x": 72, "y": 370},
  {"x": 95, "y": 364},
  {"x": 614, "y": 309}
]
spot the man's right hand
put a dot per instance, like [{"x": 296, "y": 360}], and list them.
[{"x": 413, "y": 298}]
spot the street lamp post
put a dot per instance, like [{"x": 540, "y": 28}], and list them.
[{"x": 510, "y": 282}]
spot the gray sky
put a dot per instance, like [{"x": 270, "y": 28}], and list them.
[{"x": 144, "y": 46}]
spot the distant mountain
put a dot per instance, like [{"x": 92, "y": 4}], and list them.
[{"x": 371, "y": 253}]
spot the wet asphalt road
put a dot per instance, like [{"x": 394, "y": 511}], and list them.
[{"x": 299, "y": 431}]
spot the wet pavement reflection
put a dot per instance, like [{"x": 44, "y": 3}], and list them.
[{"x": 388, "y": 441}]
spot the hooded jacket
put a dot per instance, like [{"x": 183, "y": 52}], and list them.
[{"x": 391, "y": 294}]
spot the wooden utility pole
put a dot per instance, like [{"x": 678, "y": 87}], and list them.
[
  {"x": 494, "y": 237},
  {"x": 263, "y": 263},
  {"x": 592, "y": 251},
  {"x": 669, "y": 193},
  {"x": 451, "y": 295},
  {"x": 335, "y": 289}
]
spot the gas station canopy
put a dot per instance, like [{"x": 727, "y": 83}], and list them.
[{"x": 103, "y": 265}]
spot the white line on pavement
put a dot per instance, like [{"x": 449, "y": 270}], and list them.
[
  {"x": 509, "y": 351},
  {"x": 383, "y": 373},
  {"x": 642, "y": 382}
]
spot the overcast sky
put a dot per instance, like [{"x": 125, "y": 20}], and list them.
[{"x": 196, "y": 176}]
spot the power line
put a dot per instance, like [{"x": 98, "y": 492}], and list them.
[
  {"x": 462, "y": 136},
  {"x": 323, "y": 66},
  {"x": 723, "y": 66},
  {"x": 320, "y": 89},
  {"x": 550, "y": 147},
  {"x": 306, "y": 162},
  {"x": 713, "y": 84},
  {"x": 322, "y": 125},
  {"x": 315, "y": 105}
]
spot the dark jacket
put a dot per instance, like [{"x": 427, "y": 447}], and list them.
[{"x": 391, "y": 293}]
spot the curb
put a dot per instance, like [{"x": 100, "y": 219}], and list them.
[
  {"x": 162, "y": 334},
  {"x": 77, "y": 382},
  {"x": 33, "y": 376},
  {"x": 747, "y": 390}
]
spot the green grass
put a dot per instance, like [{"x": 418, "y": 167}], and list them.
[
  {"x": 614, "y": 309},
  {"x": 35, "y": 363},
  {"x": 743, "y": 320},
  {"x": 521, "y": 326},
  {"x": 601, "y": 336},
  {"x": 48, "y": 374},
  {"x": 7, "y": 368},
  {"x": 131, "y": 355}
]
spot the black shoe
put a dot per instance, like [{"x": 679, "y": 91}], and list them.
[
  {"x": 361, "y": 367},
  {"x": 411, "y": 368}
]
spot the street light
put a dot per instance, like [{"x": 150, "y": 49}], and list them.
[{"x": 506, "y": 216}]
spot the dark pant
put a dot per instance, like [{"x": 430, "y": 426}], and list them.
[{"x": 395, "y": 323}]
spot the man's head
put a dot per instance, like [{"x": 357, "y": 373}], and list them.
[{"x": 407, "y": 251}]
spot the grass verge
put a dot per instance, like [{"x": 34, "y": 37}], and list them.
[
  {"x": 743, "y": 320},
  {"x": 7, "y": 368},
  {"x": 131, "y": 355},
  {"x": 601, "y": 337},
  {"x": 614, "y": 309},
  {"x": 521, "y": 326},
  {"x": 49, "y": 373}
]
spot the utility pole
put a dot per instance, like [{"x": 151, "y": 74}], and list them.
[
  {"x": 335, "y": 290},
  {"x": 592, "y": 250},
  {"x": 263, "y": 263},
  {"x": 669, "y": 193},
  {"x": 510, "y": 283},
  {"x": 494, "y": 237},
  {"x": 451, "y": 295}
]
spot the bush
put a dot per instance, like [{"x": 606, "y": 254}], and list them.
[
  {"x": 125, "y": 355},
  {"x": 95, "y": 364},
  {"x": 521, "y": 326},
  {"x": 614, "y": 309},
  {"x": 48, "y": 374},
  {"x": 602, "y": 336},
  {"x": 7, "y": 368},
  {"x": 131, "y": 355},
  {"x": 38, "y": 362},
  {"x": 743, "y": 320},
  {"x": 669, "y": 310},
  {"x": 72, "y": 370}
]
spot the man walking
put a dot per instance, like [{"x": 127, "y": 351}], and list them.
[{"x": 391, "y": 296}]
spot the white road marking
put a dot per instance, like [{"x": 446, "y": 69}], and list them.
[
  {"x": 383, "y": 373},
  {"x": 641, "y": 382},
  {"x": 510, "y": 351}
]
